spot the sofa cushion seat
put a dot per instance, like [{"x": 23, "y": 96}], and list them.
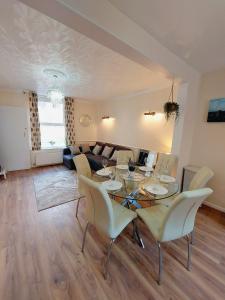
[
  {"x": 68, "y": 161},
  {"x": 96, "y": 161}
]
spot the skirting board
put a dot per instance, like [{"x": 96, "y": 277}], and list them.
[{"x": 217, "y": 207}]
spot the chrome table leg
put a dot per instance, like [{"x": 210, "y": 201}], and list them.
[{"x": 84, "y": 237}]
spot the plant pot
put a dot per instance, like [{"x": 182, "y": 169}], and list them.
[{"x": 171, "y": 109}]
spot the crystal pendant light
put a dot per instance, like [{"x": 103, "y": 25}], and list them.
[{"x": 55, "y": 96}]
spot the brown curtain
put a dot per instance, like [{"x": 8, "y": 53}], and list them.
[
  {"x": 69, "y": 121},
  {"x": 34, "y": 122}
]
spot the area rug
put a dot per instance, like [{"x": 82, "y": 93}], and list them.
[{"x": 55, "y": 188}]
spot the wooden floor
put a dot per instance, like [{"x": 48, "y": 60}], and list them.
[{"x": 40, "y": 254}]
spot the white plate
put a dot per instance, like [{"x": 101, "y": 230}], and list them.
[
  {"x": 133, "y": 176},
  {"x": 156, "y": 189},
  {"x": 122, "y": 167},
  {"x": 146, "y": 169},
  {"x": 112, "y": 185},
  {"x": 167, "y": 179},
  {"x": 104, "y": 172}
]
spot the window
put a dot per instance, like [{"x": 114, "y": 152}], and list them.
[{"x": 51, "y": 124}]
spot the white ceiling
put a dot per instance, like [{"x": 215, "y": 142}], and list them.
[
  {"x": 193, "y": 29},
  {"x": 31, "y": 42}
]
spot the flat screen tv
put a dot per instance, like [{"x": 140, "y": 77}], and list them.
[{"x": 216, "y": 111}]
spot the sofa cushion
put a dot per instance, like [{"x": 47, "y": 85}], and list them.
[
  {"x": 114, "y": 156},
  {"x": 97, "y": 149},
  {"x": 85, "y": 148},
  {"x": 142, "y": 156},
  {"x": 95, "y": 161},
  {"x": 74, "y": 149},
  {"x": 107, "y": 151}
]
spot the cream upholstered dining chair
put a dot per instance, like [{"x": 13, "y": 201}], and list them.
[
  {"x": 83, "y": 168},
  {"x": 123, "y": 157},
  {"x": 165, "y": 164},
  {"x": 108, "y": 216},
  {"x": 201, "y": 178},
  {"x": 176, "y": 222}
]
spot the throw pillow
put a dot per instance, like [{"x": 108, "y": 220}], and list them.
[
  {"x": 97, "y": 149},
  {"x": 85, "y": 148},
  {"x": 74, "y": 150},
  {"x": 114, "y": 156},
  {"x": 107, "y": 151}
]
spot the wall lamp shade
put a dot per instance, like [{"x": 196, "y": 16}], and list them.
[
  {"x": 105, "y": 117},
  {"x": 150, "y": 113}
]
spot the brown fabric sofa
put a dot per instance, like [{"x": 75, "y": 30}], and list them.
[{"x": 95, "y": 161}]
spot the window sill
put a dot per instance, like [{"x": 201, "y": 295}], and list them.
[
  {"x": 49, "y": 149},
  {"x": 54, "y": 148}
]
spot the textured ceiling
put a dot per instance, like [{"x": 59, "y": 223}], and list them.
[
  {"x": 193, "y": 30},
  {"x": 31, "y": 42}
]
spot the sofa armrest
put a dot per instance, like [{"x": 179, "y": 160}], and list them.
[{"x": 66, "y": 151}]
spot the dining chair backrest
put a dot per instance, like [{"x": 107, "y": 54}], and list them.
[
  {"x": 99, "y": 211},
  {"x": 82, "y": 168},
  {"x": 151, "y": 159},
  {"x": 165, "y": 164},
  {"x": 123, "y": 157},
  {"x": 180, "y": 218},
  {"x": 201, "y": 178}
]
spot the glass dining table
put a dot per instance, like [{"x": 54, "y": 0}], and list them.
[{"x": 132, "y": 190}]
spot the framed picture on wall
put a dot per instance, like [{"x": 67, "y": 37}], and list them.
[{"x": 216, "y": 112}]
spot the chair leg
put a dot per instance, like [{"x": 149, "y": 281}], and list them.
[
  {"x": 160, "y": 263},
  {"x": 84, "y": 237},
  {"x": 189, "y": 239},
  {"x": 192, "y": 237},
  {"x": 107, "y": 257},
  {"x": 78, "y": 202}
]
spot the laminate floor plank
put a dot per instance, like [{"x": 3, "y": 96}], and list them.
[{"x": 41, "y": 259}]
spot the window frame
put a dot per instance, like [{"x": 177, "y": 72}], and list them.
[{"x": 45, "y": 99}]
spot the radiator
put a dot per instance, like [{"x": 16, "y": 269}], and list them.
[{"x": 48, "y": 157}]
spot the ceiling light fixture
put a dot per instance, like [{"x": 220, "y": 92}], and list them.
[{"x": 54, "y": 94}]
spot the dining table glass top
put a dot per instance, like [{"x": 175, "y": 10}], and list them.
[{"x": 134, "y": 185}]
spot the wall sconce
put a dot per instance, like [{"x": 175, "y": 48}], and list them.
[
  {"x": 150, "y": 113},
  {"x": 105, "y": 117}
]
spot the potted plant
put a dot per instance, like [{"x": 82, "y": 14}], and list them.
[{"x": 171, "y": 108}]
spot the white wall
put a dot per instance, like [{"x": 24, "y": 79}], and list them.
[
  {"x": 208, "y": 147},
  {"x": 85, "y": 133},
  {"x": 19, "y": 99},
  {"x": 12, "y": 98},
  {"x": 130, "y": 127}
]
